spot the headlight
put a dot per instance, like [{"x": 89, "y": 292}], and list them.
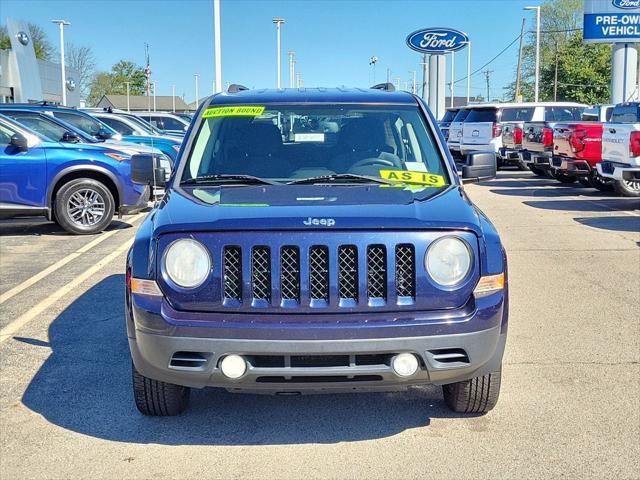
[
  {"x": 187, "y": 263},
  {"x": 448, "y": 261}
]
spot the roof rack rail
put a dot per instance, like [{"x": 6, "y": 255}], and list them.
[
  {"x": 235, "y": 88},
  {"x": 387, "y": 87}
]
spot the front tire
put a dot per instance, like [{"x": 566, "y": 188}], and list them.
[
  {"x": 84, "y": 206},
  {"x": 478, "y": 395},
  {"x": 156, "y": 398},
  {"x": 627, "y": 188}
]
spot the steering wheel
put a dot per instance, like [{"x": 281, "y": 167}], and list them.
[{"x": 373, "y": 161}]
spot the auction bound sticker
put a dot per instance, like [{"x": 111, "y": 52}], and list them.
[
  {"x": 234, "y": 111},
  {"x": 417, "y": 178}
]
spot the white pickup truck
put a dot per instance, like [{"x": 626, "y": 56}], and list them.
[{"x": 621, "y": 149}]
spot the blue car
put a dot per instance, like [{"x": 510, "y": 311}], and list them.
[
  {"x": 316, "y": 241},
  {"x": 98, "y": 130},
  {"x": 79, "y": 186}
]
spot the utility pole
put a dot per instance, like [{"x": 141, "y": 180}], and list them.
[
  {"x": 468, "y": 72},
  {"x": 414, "y": 87},
  {"x": 197, "y": 78},
  {"x": 154, "y": 96},
  {"x": 555, "y": 77},
  {"x": 173, "y": 98},
  {"x": 217, "y": 46},
  {"x": 128, "y": 93},
  {"x": 292, "y": 69},
  {"x": 62, "y": 24},
  {"x": 424, "y": 76},
  {"x": 537, "y": 84},
  {"x": 453, "y": 67},
  {"x": 487, "y": 74},
  {"x": 519, "y": 71},
  {"x": 299, "y": 83},
  {"x": 278, "y": 23},
  {"x": 372, "y": 62}
]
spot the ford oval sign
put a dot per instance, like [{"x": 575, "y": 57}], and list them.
[
  {"x": 437, "y": 40},
  {"x": 626, "y": 4}
]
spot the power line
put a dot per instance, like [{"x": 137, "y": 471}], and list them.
[{"x": 490, "y": 61}]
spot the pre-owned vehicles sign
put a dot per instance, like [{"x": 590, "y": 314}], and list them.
[{"x": 611, "y": 21}]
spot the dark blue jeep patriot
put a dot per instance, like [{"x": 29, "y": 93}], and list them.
[{"x": 316, "y": 241}]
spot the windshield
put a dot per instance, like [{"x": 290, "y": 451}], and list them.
[
  {"x": 563, "y": 114},
  {"x": 449, "y": 115},
  {"x": 286, "y": 143},
  {"x": 84, "y": 122},
  {"x": 626, "y": 114},
  {"x": 482, "y": 115},
  {"x": 461, "y": 115},
  {"x": 143, "y": 125},
  {"x": 517, "y": 114},
  {"x": 46, "y": 126}
]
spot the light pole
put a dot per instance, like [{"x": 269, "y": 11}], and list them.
[
  {"x": 414, "y": 87},
  {"x": 292, "y": 69},
  {"x": 468, "y": 71},
  {"x": 62, "y": 24},
  {"x": 154, "y": 96},
  {"x": 197, "y": 78},
  {"x": 453, "y": 67},
  {"x": 299, "y": 80},
  {"x": 217, "y": 46},
  {"x": 537, "y": 88},
  {"x": 173, "y": 98},
  {"x": 372, "y": 62},
  {"x": 128, "y": 92},
  {"x": 278, "y": 22}
]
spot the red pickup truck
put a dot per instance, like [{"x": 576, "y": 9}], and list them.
[{"x": 577, "y": 149}]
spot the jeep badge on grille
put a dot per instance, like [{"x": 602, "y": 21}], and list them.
[{"x": 325, "y": 222}]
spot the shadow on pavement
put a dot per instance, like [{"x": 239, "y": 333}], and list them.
[
  {"x": 39, "y": 227},
  {"x": 624, "y": 223},
  {"x": 563, "y": 191},
  {"x": 84, "y": 386},
  {"x": 596, "y": 205}
]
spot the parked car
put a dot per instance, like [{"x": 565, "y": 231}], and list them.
[
  {"x": 53, "y": 127},
  {"x": 130, "y": 126},
  {"x": 512, "y": 120},
  {"x": 621, "y": 149},
  {"x": 597, "y": 113},
  {"x": 577, "y": 149},
  {"x": 455, "y": 131},
  {"x": 79, "y": 186},
  {"x": 335, "y": 259},
  {"x": 537, "y": 140},
  {"x": 445, "y": 123},
  {"x": 167, "y": 122}
]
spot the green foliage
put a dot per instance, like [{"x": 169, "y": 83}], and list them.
[
  {"x": 584, "y": 70},
  {"x": 41, "y": 44},
  {"x": 115, "y": 81}
]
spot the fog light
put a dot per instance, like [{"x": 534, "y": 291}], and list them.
[
  {"x": 405, "y": 364},
  {"x": 233, "y": 366}
]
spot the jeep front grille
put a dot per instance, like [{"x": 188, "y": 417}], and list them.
[{"x": 320, "y": 277}]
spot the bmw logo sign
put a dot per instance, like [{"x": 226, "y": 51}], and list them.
[
  {"x": 23, "y": 38},
  {"x": 71, "y": 84}
]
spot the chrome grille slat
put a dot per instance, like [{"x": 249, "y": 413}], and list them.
[
  {"x": 261, "y": 273},
  {"x": 319, "y": 273},
  {"x": 290, "y": 273},
  {"x": 232, "y": 273},
  {"x": 377, "y": 271},
  {"x": 348, "y": 272},
  {"x": 405, "y": 271}
]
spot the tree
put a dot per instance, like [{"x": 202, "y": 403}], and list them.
[
  {"x": 43, "y": 48},
  {"x": 115, "y": 81},
  {"x": 561, "y": 46},
  {"x": 82, "y": 60}
]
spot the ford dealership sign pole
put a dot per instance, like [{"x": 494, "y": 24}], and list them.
[
  {"x": 437, "y": 42},
  {"x": 617, "y": 22}
]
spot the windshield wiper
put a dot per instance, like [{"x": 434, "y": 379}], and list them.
[
  {"x": 336, "y": 177},
  {"x": 228, "y": 178}
]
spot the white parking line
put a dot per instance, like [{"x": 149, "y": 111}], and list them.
[
  {"x": 62, "y": 262},
  {"x": 13, "y": 327}
]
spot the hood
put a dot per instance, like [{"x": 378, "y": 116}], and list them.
[
  {"x": 315, "y": 207},
  {"x": 131, "y": 148}
]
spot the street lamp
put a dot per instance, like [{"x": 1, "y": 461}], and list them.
[
  {"x": 62, "y": 24},
  {"x": 154, "y": 95},
  {"x": 128, "y": 93},
  {"x": 468, "y": 42},
  {"x": 292, "y": 69},
  {"x": 278, "y": 22},
  {"x": 537, "y": 88},
  {"x": 453, "y": 68},
  {"x": 217, "y": 46},
  {"x": 197, "y": 77},
  {"x": 173, "y": 98}
]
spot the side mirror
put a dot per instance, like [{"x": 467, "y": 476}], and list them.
[
  {"x": 146, "y": 170},
  {"x": 70, "y": 137},
  {"x": 479, "y": 166},
  {"x": 19, "y": 142},
  {"x": 103, "y": 135}
]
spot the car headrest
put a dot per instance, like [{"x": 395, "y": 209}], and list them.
[
  {"x": 363, "y": 134},
  {"x": 261, "y": 138}
]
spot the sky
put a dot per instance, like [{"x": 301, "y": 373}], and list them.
[{"x": 333, "y": 39}]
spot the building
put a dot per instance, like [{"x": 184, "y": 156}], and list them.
[
  {"x": 142, "y": 103},
  {"x": 25, "y": 79},
  {"x": 461, "y": 101}
]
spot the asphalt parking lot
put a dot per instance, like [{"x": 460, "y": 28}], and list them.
[{"x": 570, "y": 401}]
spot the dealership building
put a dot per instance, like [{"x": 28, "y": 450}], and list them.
[{"x": 25, "y": 79}]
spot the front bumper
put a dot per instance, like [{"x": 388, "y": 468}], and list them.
[
  {"x": 493, "y": 146},
  {"x": 141, "y": 204},
  {"x": 451, "y": 348},
  {"x": 618, "y": 171},
  {"x": 578, "y": 168},
  {"x": 538, "y": 160},
  {"x": 511, "y": 156}
]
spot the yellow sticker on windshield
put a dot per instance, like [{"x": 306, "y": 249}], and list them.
[
  {"x": 234, "y": 111},
  {"x": 416, "y": 178}
]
